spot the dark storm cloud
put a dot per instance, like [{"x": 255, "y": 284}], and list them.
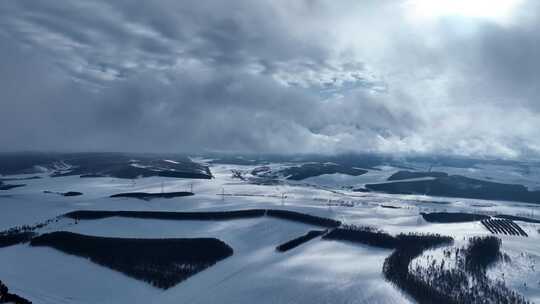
[{"x": 264, "y": 76}]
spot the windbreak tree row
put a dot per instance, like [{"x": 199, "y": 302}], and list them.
[{"x": 160, "y": 262}]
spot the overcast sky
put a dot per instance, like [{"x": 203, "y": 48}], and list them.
[{"x": 408, "y": 77}]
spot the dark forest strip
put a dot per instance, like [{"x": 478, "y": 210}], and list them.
[
  {"x": 160, "y": 262},
  {"x": 9, "y": 187},
  {"x": 299, "y": 240},
  {"x": 303, "y": 218},
  {"x": 6, "y": 297},
  {"x": 166, "y": 215},
  {"x": 15, "y": 238},
  {"x": 21, "y": 234},
  {"x": 211, "y": 215},
  {"x": 148, "y": 196},
  {"x": 453, "y": 217},
  {"x": 363, "y": 235}
]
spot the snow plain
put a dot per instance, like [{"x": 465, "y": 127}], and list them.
[{"x": 316, "y": 272}]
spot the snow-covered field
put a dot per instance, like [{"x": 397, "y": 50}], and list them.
[{"x": 316, "y": 272}]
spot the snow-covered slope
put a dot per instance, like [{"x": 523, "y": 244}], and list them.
[{"x": 316, "y": 272}]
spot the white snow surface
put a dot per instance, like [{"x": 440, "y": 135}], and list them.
[{"x": 316, "y": 272}]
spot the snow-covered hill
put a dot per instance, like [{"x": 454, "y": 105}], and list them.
[{"x": 319, "y": 271}]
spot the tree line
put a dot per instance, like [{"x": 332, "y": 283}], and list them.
[
  {"x": 160, "y": 262},
  {"x": 6, "y": 297},
  {"x": 204, "y": 216}
]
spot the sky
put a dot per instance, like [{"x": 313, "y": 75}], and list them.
[{"x": 404, "y": 77}]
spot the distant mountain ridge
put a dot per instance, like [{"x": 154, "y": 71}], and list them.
[
  {"x": 117, "y": 165},
  {"x": 443, "y": 184},
  {"x": 303, "y": 171}
]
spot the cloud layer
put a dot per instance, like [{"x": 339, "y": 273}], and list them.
[{"x": 267, "y": 76}]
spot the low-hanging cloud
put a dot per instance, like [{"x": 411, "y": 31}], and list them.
[{"x": 266, "y": 76}]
